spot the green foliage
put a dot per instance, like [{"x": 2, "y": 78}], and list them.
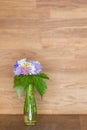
[
  {"x": 19, "y": 90},
  {"x": 43, "y": 75},
  {"x": 21, "y": 83},
  {"x": 40, "y": 85}
]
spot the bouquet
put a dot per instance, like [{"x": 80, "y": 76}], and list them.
[{"x": 29, "y": 72}]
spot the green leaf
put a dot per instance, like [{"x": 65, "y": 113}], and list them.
[
  {"x": 27, "y": 80},
  {"x": 16, "y": 81},
  {"x": 40, "y": 85},
  {"x": 43, "y": 75},
  {"x": 19, "y": 90},
  {"x": 23, "y": 81}
]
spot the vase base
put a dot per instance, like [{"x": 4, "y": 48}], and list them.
[{"x": 30, "y": 123}]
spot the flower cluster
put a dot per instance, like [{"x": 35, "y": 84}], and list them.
[{"x": 27, "y": 67}]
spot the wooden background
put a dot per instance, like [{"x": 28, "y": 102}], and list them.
[{"x": 55, "y": 33}]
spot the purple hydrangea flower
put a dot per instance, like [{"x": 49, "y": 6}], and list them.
[
  {"x": 26, "y": 70},
  {"x": 18, "y": 71},
  {"x": 37, "y": 66},
  {"x": 23, "y": 67},
  {"x": 16, "y": 65}
]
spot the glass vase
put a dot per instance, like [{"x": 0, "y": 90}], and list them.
[{"x": 30, "y": 109}]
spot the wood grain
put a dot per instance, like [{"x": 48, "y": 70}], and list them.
[
  {"x": 55, "y": 33},
  {"x": 44, "y": 122},
  {"x": 83, "y": 122}
]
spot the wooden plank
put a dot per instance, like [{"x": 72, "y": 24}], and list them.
[
  {"x": 8, "y": 4},
  {"x": 45, "y": 122},
  {"x": 83, "y": 122},
  {"x": 69, "y": 14},
  {"x": 61, "y": 4}
]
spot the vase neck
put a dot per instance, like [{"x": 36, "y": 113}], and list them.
[{"x": 30, "y": 90}]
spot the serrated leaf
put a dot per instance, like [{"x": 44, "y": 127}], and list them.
[
  {"x": 40, "y": 85},
  {"x": 23, "y": 81},
  {"x": 19, "y": 90},
  {"x": 16, "y": 81},
  {"x": 43, "y": 75}
]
